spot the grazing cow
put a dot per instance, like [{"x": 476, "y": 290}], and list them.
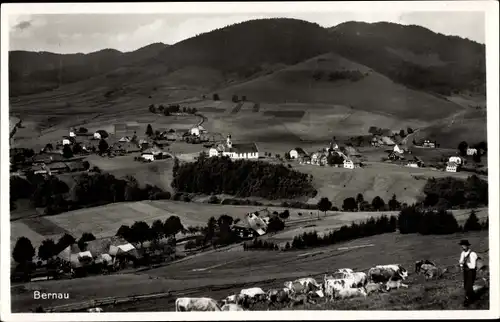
[
  {"x": 351, "y": 292},
  {"x": 254, "y": 293},
  {"x": 231, "y": 299},
  {"x": 231, "y": 307},
  {"x": 384, "y": 273},
  {"x": 301, "y": 299},
  {"x": 359, "y": 279},
  {"x": 395, "y": 285},
  {"x": 344, "y": 270},
  {"x": 434, "y": 271},
  {"x": 375, "y": 288},
  {"x": 334, "y": 285},
  {"x": 302, "y": 285},
  {"x": 187, "y": 304},
  {"x": 278, "y": 296},
  {"x": 95, "y": 310}
]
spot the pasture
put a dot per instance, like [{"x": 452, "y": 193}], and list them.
[
  {"x": 226, "y": 272},
  {"x": 105, "y": 220}
]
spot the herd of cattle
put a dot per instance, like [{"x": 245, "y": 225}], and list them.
[{"x": 343, "y": 283}]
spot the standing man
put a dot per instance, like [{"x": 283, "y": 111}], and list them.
[{"x": 468, "y": 260}]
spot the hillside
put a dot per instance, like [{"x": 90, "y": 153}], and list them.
[
  {"x": 414, "y": 56},
  {"x": 357, "y": 86},
  {"x": 32, "y": 72}
]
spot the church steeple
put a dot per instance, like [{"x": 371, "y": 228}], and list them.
[{"x": 228, "y": 141}]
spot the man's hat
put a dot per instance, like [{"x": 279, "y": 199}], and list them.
[{"x": 464, "y": 242}]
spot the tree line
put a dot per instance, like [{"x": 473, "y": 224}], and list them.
[
  {"x": 370, "y": 227},
  {"x": 241, "y": 178},
  {"x": 449, "y": 192},
  {"x": 171, "y": 109},
  {"x": 55, "y": 196}
]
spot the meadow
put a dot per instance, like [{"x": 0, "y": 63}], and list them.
[{"x": 225, "y": 272}]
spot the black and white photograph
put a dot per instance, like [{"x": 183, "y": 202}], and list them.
[{"x": 302, "y": 160}]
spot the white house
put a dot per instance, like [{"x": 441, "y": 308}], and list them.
[
  {"x": 471, "y": 151},
  {"x": 66, "y": 142},
  {"x": 451, "y": 167},
  {"x": 72, "y": 134},
  {"x": 149, "y": 156},
  {"x": 455, "y": 159},
  {"x": 296, "y": 153},
  {"x": 97, "y": 135},
  {"x": 348, "y": 164},
  {"x": 124, "y": 139},
  {"x": 412, "y": 165},
  {"x": 197, "y": 130},
  {"x": 235, "y": 151},
  {"x": 397, "y": 149}
]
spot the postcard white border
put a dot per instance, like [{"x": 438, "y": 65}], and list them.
[{"x": 490, "y": 9}]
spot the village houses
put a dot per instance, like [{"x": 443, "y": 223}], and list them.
[
  {"x": 348, "y": 164},
  {"x": 452, "y": 167},
  {"x": 471, "y": 151},
  {"x": 235, "y": 151}
]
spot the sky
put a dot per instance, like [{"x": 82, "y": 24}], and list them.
[{"x": 84, "y": 33}]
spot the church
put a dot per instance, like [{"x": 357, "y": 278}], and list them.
[{"x": 235, "y": 151}]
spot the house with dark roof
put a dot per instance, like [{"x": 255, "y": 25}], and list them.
[
  {"x": 235, "y": 151},
  {"x": 57, "y": 167}
]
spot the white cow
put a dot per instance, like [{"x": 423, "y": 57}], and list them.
[
  {"x": 252, "y": 292},
  {"x": 351, "y": 292},
  {"x": 187, "y": 304},
  {"x": 344, "y": 270},
  {"x": 302, "y": 285},
  {"x": 231, "y": 307},
  {"x": 359, "y": 279}
]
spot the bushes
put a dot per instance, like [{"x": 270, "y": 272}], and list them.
[
  {"x": 370, "y": 227},
  {"x": 242, "y": 178},
  {"x": 275, "y": 225},
  {"x": 258, "y": 244}
]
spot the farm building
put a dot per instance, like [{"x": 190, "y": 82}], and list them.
[
  {"x": 197, "y": 130},
  {"x": 47, "y": 158},
  {"x": 412, "y": 164},
  {"x": 348, "y": 164},
  {"x": 124, "y": 139},
  {"x": 429, "y": 144},
  {"x": 76, "y": 166},
  {"x": 39, "y": 169},
  {"x": 395, "y": 156},
  {"x": 397, "y": 149},
  {"x": 451, "y": 167},
  {"x": 57, "y": 167},
  {"x": 97, "y": 136},
  {"x": 471, "y": 151},
  {"x": 235, "y": 151},
  {"x": 376, "y": 141},
  {"x": 296, "y": 153},
  {"x": 151, "y": 154},
  {"x": 305, "y": 159},
  {"x": 256, "y": 223},
  {"x": 455, "y": 159},
  {"x": 161, "y": 143},
  {"x": 72, "y": 134}
]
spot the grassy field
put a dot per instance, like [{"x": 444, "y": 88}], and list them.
[
  {"x": 226, "y": 272},
  {"x": 105, "y": 220}
]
